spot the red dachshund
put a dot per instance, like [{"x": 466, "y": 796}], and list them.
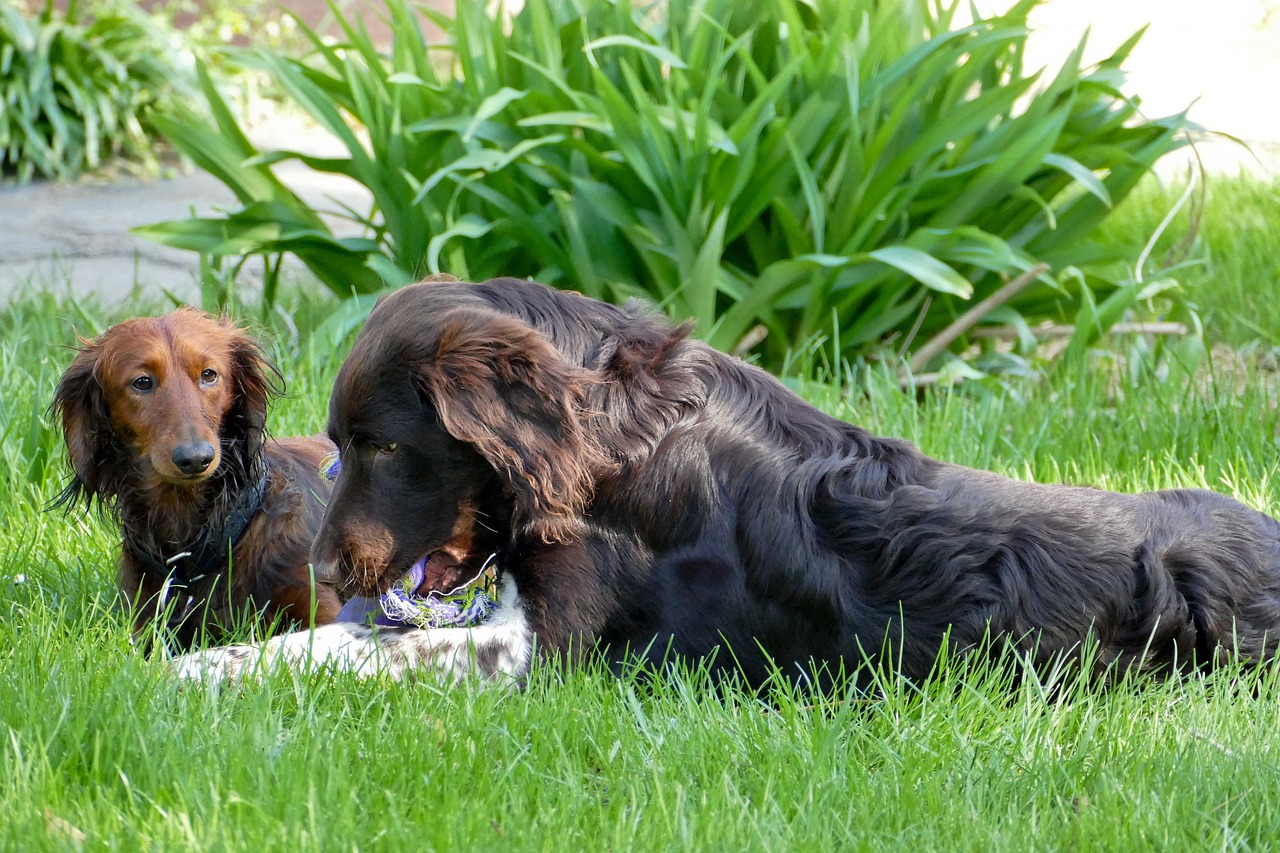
[{"x": 164, "y": 420}]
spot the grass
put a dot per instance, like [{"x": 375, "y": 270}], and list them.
[
  {"x": 100, "y": 749},
  {"x": 1232, "y": 270}
]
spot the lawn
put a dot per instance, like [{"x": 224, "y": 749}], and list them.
[
  {"x": 1230, "y": 264},
  {"x": 102, "y": 748}
]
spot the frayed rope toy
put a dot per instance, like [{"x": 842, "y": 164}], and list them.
[
  {"x": 405, "y": 605},
  {"x": 463, "y": 606}
]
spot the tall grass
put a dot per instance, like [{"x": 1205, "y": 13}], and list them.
[
  {"x": 1230, "y": 265},
  {"x": 100, "y": 749}
]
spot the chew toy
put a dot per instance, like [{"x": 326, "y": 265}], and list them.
[{"x": 405, "y": 605}]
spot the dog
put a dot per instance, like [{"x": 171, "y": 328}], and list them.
[
  {"x": 164, "y": 420},
  {"x": 647, "y": 499}
]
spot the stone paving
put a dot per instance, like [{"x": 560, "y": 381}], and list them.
[{"x": 77, "y": 234}]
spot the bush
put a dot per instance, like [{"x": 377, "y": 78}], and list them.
[
  {"x": 850, "y": 168},
  {"x": 75, "y": 91}
]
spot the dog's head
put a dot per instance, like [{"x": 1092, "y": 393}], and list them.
[
  {"x": 457, "y": 424},
  {"x": 161, "y": 401}
]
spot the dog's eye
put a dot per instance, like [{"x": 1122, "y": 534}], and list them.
[
  {"x": 143, "y": 383},
  {"x": 208, "y": 376},
  {"x": 385, "y": 449}
]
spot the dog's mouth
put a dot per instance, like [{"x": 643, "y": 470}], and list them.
[
  {"x": 453, "y": 564},
  {"x": 443, "y": 571},
  {"x": 454, "y": 571},
  {"x": 186, "y": 479},
  {"x": 171, "y": 475},
  {"x": 441, "y": 589}
]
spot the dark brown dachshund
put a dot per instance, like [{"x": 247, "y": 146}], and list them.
[{"x": 164, "y": 420}]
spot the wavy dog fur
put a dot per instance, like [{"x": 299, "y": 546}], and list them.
[
  {"x": 647, "y": 495},
  {"x": 165, "y": 425}
]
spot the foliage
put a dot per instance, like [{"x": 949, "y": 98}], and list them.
[
  {"x": 208, "y": 25},
  {"x": 76, "y": 89},
  {"x": 849, "y": 168}
]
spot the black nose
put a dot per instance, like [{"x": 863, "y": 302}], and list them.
[{"x": 193, "y": 458}]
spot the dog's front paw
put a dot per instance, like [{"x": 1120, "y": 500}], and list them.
[{"x": 215, "y": 666}]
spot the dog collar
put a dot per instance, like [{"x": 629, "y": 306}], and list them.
[{"x": 210, "y": 553}]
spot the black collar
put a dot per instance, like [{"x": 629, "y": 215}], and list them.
[{"x": 209, "y": 555}]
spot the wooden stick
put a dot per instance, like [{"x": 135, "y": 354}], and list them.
[
  {"x": 753, "y": 336},
  {"x": 922, "y": 380},
  {"x": 965, "y": 321},
  {"x": 1059, "y": 330}
]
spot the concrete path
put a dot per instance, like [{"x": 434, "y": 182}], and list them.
[{"x": 77, "y": 234}]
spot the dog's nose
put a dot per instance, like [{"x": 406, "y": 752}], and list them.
[
  {"x": 193, "y": 458},
  {"x": 327, "y": 571}
]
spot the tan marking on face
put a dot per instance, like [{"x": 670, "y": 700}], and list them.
[
  {"x": 461, "y": 538},
  {"x": 364, "y": 552}
]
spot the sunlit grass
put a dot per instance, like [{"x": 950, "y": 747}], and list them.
[
  {"x": 1228, "y": 261},
  {"x": 98, "y": 746}
]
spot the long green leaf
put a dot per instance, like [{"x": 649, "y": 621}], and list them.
[{"x": 924, "y": 268}]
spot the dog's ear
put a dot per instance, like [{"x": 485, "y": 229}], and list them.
[
  {"x": 255, "y": 380},
  {"x": 501, "y": 387},
  {"x": 80, "y": 405}
]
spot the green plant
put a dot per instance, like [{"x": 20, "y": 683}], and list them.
[
  {"x": 209, "y": 25},
  {"x": 76, "y": 89},
  {"x": 779, "y": 168},
  {"x": 1231, "y": 231}
]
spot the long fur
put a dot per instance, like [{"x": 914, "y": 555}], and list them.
[
  {"x": 117, "y": 441},
  {"x": 649, "y": 496}
]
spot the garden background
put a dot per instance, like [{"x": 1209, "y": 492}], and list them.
[{"x": 1154, "y": 366}]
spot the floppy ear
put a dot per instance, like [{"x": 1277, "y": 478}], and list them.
[
  {"x": 500, "y": 386},
  {"x": 80, "y": 403},
  {"x": 255, "y": 379}
]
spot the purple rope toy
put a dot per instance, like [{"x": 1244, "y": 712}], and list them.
[{"x": 405, "y": 605}]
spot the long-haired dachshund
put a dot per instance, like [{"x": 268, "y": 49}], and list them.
[
  {"x": 649, "y": 496},
  {"x": 165, "y": 424}
]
